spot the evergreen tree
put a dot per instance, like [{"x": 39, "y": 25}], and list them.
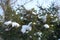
[{"x": 43, "y": 25}]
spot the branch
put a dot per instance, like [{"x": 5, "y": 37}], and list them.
[
  {"x": 27, "y": 2},
  {"x": 13, "y": 2}
]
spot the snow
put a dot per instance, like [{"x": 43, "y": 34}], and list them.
[
  {"x": 39, "y": 33},
  {"x": 55, "y": 36},
  {"x": 46, "y": 26},
  {"x": 14, "y": 24},
  {"x": 7, "y": 29},
  {"x": 58, "y": 39},
  {"x": 21, "y": 18},
  {"x": 39, "y": 38},
  {"x": 55, "y": 20},
  {"x": 29, "y": 23},
  {"x": 23, "y": 30},
  {"x": 7, "y": 22},
  {"x": 30, "y": 36},
  {"x": 51, "y": 14},
  {"x": 42, "y": 17},
  {"x": 26, "y": 28},
  {"x": 34, "y": 13}
]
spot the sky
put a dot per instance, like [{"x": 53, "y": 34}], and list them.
[{"x": 34, "y": 3}]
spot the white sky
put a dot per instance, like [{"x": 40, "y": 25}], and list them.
[{"x": 32, "y": 4}]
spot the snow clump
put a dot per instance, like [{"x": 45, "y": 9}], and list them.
[
  {"x": 46, "y": 26},
  {"x": 14, "y": 24},
  {"x": 26, "y": 28}
]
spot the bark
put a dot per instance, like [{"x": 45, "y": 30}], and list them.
[{"x": 5, "y": 4}]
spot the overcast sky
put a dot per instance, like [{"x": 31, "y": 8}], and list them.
[{"x": 32, "y": 4}]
